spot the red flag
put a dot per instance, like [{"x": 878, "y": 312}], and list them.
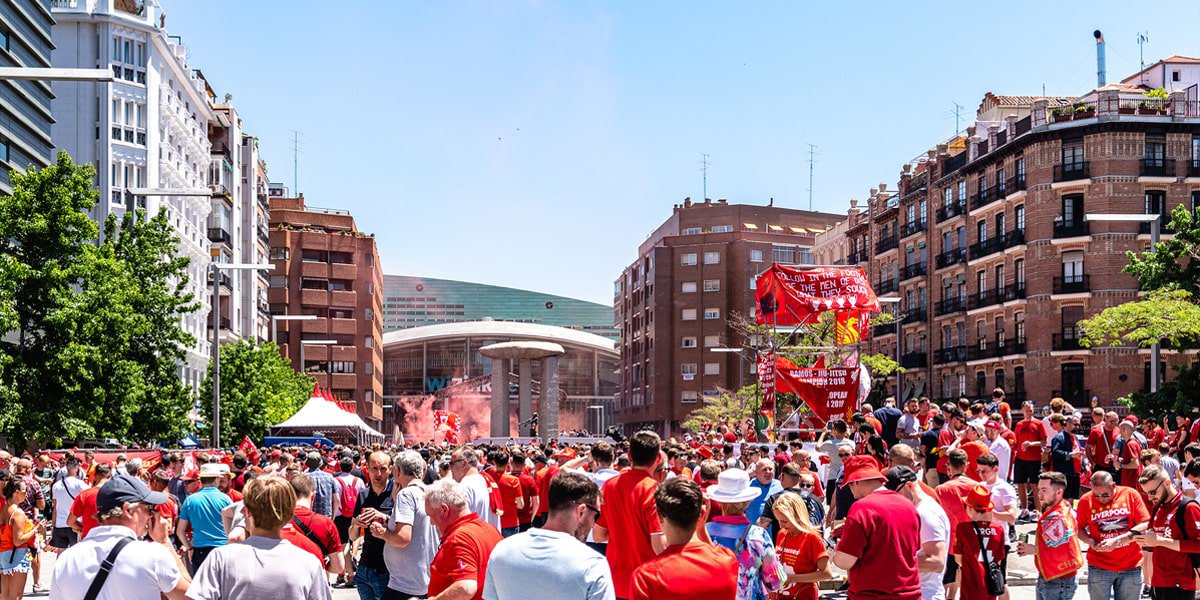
[
  {"x": 790, "y": 296},
  {"x": 249, "y": 449},
  {"x": 828, "y": 392},
  {"x": 851, "y": 327}
]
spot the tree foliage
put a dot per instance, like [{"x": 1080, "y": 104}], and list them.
[
  {"x": 1169, "y": 316},
  {"x": 259, "y": 389},
  {"x": 96, "y": 319},
  {"x": 727, "y": 407}
]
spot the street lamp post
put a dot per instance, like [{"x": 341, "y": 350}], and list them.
[
  {"x": 276, "y": 318},
  {"x": 216, "y": 269},
  {"x": 1155, "y": 222}
]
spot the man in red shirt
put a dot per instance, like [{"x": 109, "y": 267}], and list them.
[
  {"x": 529, "y": 495},
  {"x": 1181, "y": 437},
  {"x": 1098, "y": 448},
  {"x": 317, "y": 528},
  {"x": 1028, "y": 458},
  {"x": 688, "y": 568},
  {"x": 957, "y": 421},
  {"x": 459, "y": 567},
  {"x": 968, "y": 441},
  {"x": 1108, "y": 517},
  {"x": 544, "y": 475},
  {"x": 630, "y": 522},
  {"x": 1129, "y": 461},
  {"x": 880, "y": 538},
  {"x": 1154, "y": 434},
  {"x": 952, "y": 495},
  {"x": 511, "y": 497},
  {"x": 83, "y": 509},
  {"x": 1173, "y": 539}
]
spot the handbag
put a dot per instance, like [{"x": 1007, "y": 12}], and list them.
[{"x": 993, "y": 575}]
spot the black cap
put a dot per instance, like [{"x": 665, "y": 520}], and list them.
[
  {"x": 898, "y": 476},
  {"x": 124, "y": 488}
]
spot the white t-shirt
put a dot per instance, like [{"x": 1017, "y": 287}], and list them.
[
  {"x": 909, "y": 424},
  {"x": 935, "y": 527},
  {"x": 475, "y": 486},
  {"x": 1003, "y": 453},
  {"x": 64, "y": 491},
  {"x": 1004, "y": 496},
  {"x": 141, "y": 572},
  {"x": 260, "y": 568},
  {"x": 560, "y": 565}
]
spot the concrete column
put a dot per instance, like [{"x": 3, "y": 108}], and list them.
[
  {"x": 500, "y": 419},
  {"x": 525, "y": 404},
  {"x": 548, "y": 408},
  {"x": 1039, "y": 113}
]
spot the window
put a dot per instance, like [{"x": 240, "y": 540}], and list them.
[
  {"x": 687, "y": 342},
  {"x": 1000, "y": 378},
  {"x": 712, "y": 258},
  {"x": 712, "y": 313},
  {"x": 1072, "y": 210},
  {"x": 279, "y": 281},
  {"x": 1019, "y": 327},
  {"x": 722, "y": 228},
  {"x": 712, "y": 341},
  {"x": 1018, "y": 380},
  {"x": 1019, "y": 213},
  {"x": 1175, "y": 75},
  {"x": 689, "y": 397},
  {"x": 341, "y": 366},
  {"x": 756, "y": 256},
  {"x": 369, "y": 342},
  {"x": 1072, "y": 266},
  {"x": 712, "y": 285},
  {"x": 279, "y": 253},
  {"x": 692, "y": 231},
  {"x": 980, "y": 384},
  {"x": 981, "y": 230},
  {"x": 712, "y": 368},
  {"x": 1156, "y": 149},
  {"x": 962, "y": 191},
  {"x": 368, "y": 314},
  {"x": 1019, "y": 269},
  {"x": 689, "y": 314},
  {"x": 948, "y": 198},
  {"x": 1155, "y": 203},
  {"x": 981, "y": 282},
  {"x": 1071, "y": 316},
  {"x": 688, "y": 370},
  {"x": 687, "y": 260},
  {"x": 687, "y": 287},
  {"x": 370, "y": 260}
]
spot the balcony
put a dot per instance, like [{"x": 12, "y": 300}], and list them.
[
  {"x": 226, "y": 281},
  {"x": 1163, "y": 226},
  {"x": 1067, "y": 340},
  {"x": 886, "y": 243},
  {"x": 264, "y": 235},
  {"x": 915, "y": 315},
  {"x": 1015, "y": 184},
  {"x": 218, "y": 235},
  {"x": 914, "y": 227},
  {"x": 886, "y": 286},
  {"x": 984, "y": 197},
  {"x": 1157, "y": 167},
  {"x": 951, "y": 257},
  {"x": 1071, "y": 171},
  {"x": 1194, "y": 167},
  {"x": 1073, "y": 284},
  {"x": 951, "y": 354},
  {"x": 883, "y": 329},
  {"x": 856, "y": 258},
  {"x": 981, "y": 350},
  {"x": 1066, "y": 229},
  {"x": 914, "y": 360},
  {"x": 951, "y": 211},
  {"x": 913, "y": 270},
  {"x": 1076, "y": 397},
  {"x": 343, "y": 298},
  {"x": 949, "y": 305}
]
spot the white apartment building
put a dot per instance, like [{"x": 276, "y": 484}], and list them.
[{"x": 157, "y": 125}]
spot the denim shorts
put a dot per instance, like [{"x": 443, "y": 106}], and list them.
[{"x": 15, "y": 561}]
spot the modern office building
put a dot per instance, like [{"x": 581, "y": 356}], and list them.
[
  {"x": 410, "y": 301},
  {"x": 149, "y": 128},
  {"x": 25, "y": 111},
  {"x": 441, "y": 364},
  {"x": 987, "y": 245},
  {"x": 324, "y": 266},
  {"x": 674, "y": 302}
]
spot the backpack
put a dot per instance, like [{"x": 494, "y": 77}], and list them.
[
  {"x": 349, "y": 495},
  {"x": 1179, "y": 517}
]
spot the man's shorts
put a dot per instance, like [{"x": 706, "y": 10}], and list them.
[
  {"x": 343, "y": 528},
  {"x": 63, "y": 538},
  {"x": 1026, "y": 471}
]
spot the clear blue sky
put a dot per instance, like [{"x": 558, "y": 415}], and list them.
[{"x": 536, "y": 144}]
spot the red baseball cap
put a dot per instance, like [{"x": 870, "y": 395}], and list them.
[
  {"x": 994, "y": 424},
  {"x": 861, "y": 468},
  {"x": 705, "y": 452}
]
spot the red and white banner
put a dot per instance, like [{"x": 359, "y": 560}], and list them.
[
  {"x": 764, "y": 421},
  {"x": 790, "y": 296},
  {"x": 249, "y": 449},
  {"x": 831, "y": 393}
]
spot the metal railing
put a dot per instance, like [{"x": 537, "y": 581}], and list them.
[
  {"x": 1015, "y": 184},
  {"x": 1072, "y": 229},
  {"x": 1194, "y": 167},
  {"x": 951, "y": 354},
  {"x": 1072, "y": 171},
  {"x": 984, "y": 197},
  {"x": 915, "y": 315},
  {"x": 949, "y": 305},
  {"x": 886, "y": 286},
  {"x": 951, "y": 257},
  {"x": 950, "y": 211},
  {"x": 219, "y": 235},
  {"x": 913, "y": 270},
  {"x": 914, "y": 360},
  {"x": 914, "y": 227},
  {"x": 1073, "y": 284},
  {"x": 1068, "y": 339},
  {"x": 890, "y": 242},
  {"x": 1158, "y": 167}
]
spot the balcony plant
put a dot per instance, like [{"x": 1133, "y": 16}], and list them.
[
  {"x": 1084, "y": 111},
  {"x": 1155, "y": 103},
  {"x": 1062, "y": 113}
]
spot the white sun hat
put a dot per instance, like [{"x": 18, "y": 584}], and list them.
[{"x": 733, "y": 486}]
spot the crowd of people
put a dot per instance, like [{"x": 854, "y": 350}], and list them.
[{"x": 913, "y": 501}]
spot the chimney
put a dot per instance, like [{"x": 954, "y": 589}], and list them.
[
  {"x": 1099, "y": 58},
  {"x": 687, "y": 202},
  {"x": 722, "y": 201}
]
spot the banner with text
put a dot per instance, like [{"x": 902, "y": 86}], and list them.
[
  {"x": 790, "y": 296},
  {"x": 764, "y": 421},
  {"x": 830, "y": 393}
]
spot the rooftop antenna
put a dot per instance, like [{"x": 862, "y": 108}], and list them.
[
  {"x": 704, "y": 173},
  {"x": 296, "y": 162},
  {"x": 1143, "y": 37},
  {"x": 957, "y": 116},
  {"x": 1099, "y": 58},
  {"x": 812, "y": 153}
]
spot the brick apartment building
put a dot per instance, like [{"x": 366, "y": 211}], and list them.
[
  {"x": 696, "y": 268},
  {"x": 332, "y": 272},
  {"x": 987, "y": 246}
]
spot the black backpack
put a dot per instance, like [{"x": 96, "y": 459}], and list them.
[{"x": 1179, "y": 522}]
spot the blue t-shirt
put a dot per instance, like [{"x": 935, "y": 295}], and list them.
[
  {"x": 203, "y": 510},
  {"x": 754, "y": 511}
]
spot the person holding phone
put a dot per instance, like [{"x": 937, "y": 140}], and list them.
[{"x": 1109, "y": 518}]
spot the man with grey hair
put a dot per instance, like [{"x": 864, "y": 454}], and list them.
[
  {"x": 475, "y": 486},
  {"x": 409, "y": 537},
  {"x": 764, "y": 480},
  {"x": 459, "y": 568}
]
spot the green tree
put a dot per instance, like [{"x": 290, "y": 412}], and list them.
[
  {"x": 727, "y": 407},
  {"x": 259, "y": 389}
]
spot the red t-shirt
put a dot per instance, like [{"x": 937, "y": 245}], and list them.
[
  {"x": 1029, "y": 431},
  {"x": 874, "y": 423},
  {"x": 233, "y": 494},
  {"x": 466, "y": 547},
  {"x": 686, "y": 572},
  {"x": 945, "y": 438},
  {"x": 84, "y": 507},
  {"x": 510, "y": 490},
  {"x": 1173, "y": 568},
  {"x": 296, "y": 538},
  {"x": 631, "y": 518},
  {"x": 974, "y": 584},
  {"x": 1104, "y": 521},
  {"x": 528, "y": 492},
  {"x": 974, "y": 450},
  {"x": 1155, "y": 437},
  {"x": 543, "y": 488},
  {"x": 800, "y": 552},
  {"x": 1129, "y": 472},
  {"x": 323, "y": 529},
  {"x": 1099, "y": 445},
  {"x": 952, "y": 496},
  {"x": 883, "y": 531}
]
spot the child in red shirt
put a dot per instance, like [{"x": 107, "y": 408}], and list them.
[{"x": 977, "y": 542}]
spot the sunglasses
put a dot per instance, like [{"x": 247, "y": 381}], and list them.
[
  {"x": 841, "y": 455},
  {"x": 808, "y": 486},
  {"x": 593, "y": 509}
]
